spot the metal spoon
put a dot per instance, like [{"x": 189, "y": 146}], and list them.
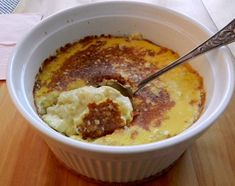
[{"x": 221, "y": 38}]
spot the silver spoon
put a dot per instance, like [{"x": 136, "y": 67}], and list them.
[{"x": 221, "y": 38}]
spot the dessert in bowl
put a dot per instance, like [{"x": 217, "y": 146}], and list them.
[
  {"x": 115, "y": 163},
  {"x": 67, "y": 99}
]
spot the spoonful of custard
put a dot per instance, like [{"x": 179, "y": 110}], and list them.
[{"x": 90, "y": 112}]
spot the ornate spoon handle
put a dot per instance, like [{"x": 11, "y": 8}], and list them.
[{"x": 221, "y": 38}]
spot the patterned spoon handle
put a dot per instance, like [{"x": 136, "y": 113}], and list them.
[{"x": 221, "y": 38}]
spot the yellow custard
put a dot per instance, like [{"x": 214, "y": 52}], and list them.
[{"x": 164, "y": 108}]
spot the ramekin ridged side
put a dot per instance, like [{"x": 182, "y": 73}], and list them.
[{"x": 116, "y": 169}]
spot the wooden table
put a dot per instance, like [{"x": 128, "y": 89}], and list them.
[{"x": 26, "y": 160}]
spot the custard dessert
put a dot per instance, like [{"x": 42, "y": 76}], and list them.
[
  {"x": 91, "y": 112},
  {"x": 69, "y": 97}
]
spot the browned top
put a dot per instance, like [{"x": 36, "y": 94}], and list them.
[
  {"x": 94, "y": 66},
  {"x": 150, "y": 108},
  {"x": 101, "y": 119}
]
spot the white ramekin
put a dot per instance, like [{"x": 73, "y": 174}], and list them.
[{"x": 160, "y": 25}]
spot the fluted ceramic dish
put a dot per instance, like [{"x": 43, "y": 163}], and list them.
[{"x": 160, "y": 25}]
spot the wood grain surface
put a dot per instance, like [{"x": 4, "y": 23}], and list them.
[{"x": 26, "y": 160}]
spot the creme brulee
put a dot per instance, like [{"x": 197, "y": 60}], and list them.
[{"x": 164, "y": 108}]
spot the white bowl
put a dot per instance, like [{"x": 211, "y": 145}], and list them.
[{"x": 160, "y": 25}]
